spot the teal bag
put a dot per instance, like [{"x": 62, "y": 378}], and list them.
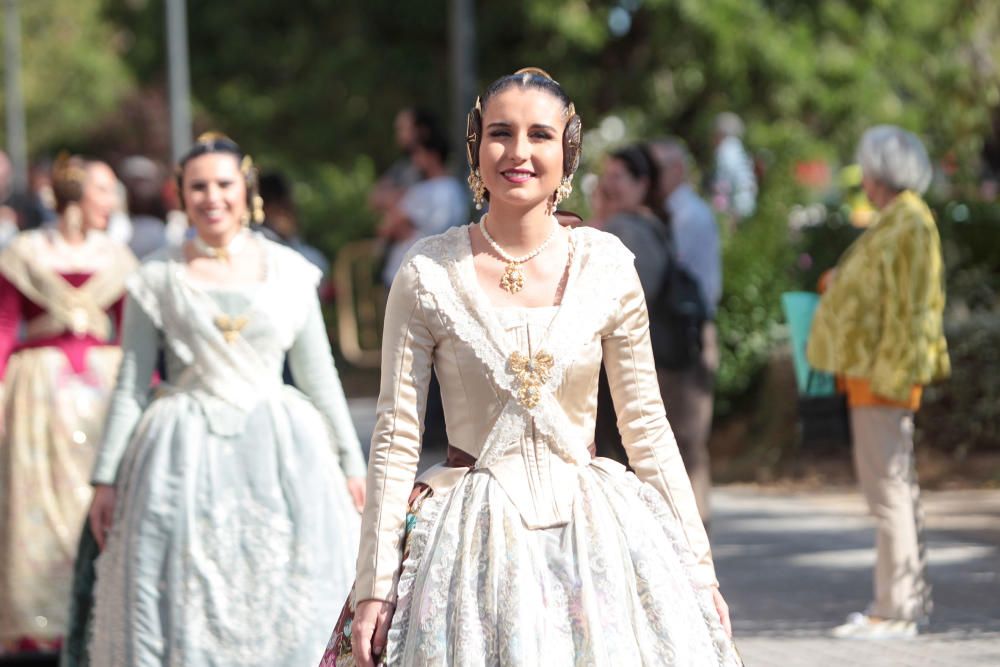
[{"x": 799, "y": 308}]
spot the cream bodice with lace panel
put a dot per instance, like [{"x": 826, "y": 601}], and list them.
[{"x": 519, "y": 397}]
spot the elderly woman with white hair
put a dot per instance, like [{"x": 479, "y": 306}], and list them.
[{"x": 879, "y": 327}]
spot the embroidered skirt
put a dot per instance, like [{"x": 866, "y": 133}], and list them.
[
  {"x": 53, "y": 419},
  {"x": 612, "y": 587}
]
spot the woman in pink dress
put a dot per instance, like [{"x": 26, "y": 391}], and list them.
[{"x": 60, "y": 305}]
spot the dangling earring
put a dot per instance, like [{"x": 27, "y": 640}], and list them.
[
  {"x": 258, "y": 209},
  {"x": 564, "y": 190},
  {"x": 478, "y": 189},
  {"x": 74, "y": 219}
]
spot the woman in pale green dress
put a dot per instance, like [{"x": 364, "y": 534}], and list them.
[{"x": 227, "y": 506}]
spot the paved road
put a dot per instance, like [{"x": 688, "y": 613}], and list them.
[{"x": 792, "y": 565}]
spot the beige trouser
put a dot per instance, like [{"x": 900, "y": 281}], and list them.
[
  {"x": 688, "y": 398},
  {"x": 883, "y": 459}
]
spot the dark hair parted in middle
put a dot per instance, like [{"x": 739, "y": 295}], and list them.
[
  {"x": 641, "y": 166},
  {"x": 529, "y": 77},
  {"x": 216, "y": 142}
]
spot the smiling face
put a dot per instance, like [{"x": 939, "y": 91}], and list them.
[
  {"x": 100, "y": 196},
  {"x": 521, "y": 155},
  {"x": 215, "y": 196}
]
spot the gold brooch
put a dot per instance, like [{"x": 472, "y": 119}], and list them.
[
  {"x": 231, "y": 326},
  {"x": 513, "y": 279},
  {"x": 531, "y": 373}
]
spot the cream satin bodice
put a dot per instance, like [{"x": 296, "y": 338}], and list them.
[{"x": 519, "y": 388}]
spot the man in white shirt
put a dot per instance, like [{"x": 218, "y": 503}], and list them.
[
  {"x": 428, "y": 207},
  {"x": 734, "y": 185},
  {"x": 688, "y": 394}
]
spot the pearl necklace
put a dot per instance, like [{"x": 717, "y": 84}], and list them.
[
  {"x": 512, "y": 280},
  {"x": 226, "y": 252}
]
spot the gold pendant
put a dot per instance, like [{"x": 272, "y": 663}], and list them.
[
  {"x": 512, "y": 281},
  {"x": 531, "y": 373},
  {"x": 231, "y": 326}
]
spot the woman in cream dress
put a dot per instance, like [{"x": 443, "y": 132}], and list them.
[
  {"x": 524, "y": 549},
  {"x": 61, "y": 293},
  {"x": 232, "y": 499}
]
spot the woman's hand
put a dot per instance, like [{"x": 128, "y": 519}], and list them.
[
  {"x": 723, "y": 609},
  {"x": 102, "y": 511},
  {"x": 369, "y": 631},
  {"x": 356, "y": 487}
]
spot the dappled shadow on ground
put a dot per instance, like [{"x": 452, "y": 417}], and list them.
[{"x": 796, "y": 564}]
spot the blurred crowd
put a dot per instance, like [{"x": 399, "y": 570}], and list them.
[{"x": 143, "y": 210}]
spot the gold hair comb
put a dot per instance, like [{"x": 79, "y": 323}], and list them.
[
  {"x": 534, "y": 70},
  {"x": 209, "y": 137}
]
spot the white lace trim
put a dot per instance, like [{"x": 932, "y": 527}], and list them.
[
  {"x": 445, "y": 261},
  {"x": 427, "y": 519},
  {"x": 144, "y": 287}
]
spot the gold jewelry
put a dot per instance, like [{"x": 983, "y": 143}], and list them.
[
  {"x": 478, "y": 188},
  {"x": 512, "y": 280},
  {"x": 231, "y": 326},
  {"x": 211, "y": 137},
  {"x": 564, "y": 190},
  {"x": 258, "y": 209},
  {"x": 531, "y": 373},
  {"x": 538, "y": 71},
  {"x": 224, "y": 253}
]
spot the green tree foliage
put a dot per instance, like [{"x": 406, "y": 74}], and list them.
[
  {"x": 318, "y": 82},
  {"x": 72, "y": 71},
  {"x": 312, "y": 86},
  {"x": 315, "y": 81}
]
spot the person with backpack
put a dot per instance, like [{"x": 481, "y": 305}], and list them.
[
  {"x": 687, "y": 309},
  {"x": 627, "y": 211},
  {"x": 630, "y": 188}
]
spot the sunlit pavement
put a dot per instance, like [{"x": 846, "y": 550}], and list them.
[{"x": 793, "y": 565}]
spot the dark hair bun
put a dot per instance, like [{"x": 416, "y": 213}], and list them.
[{"x": 69, "y": 176}]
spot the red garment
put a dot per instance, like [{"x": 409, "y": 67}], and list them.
[{"x": 16, "y": 308}]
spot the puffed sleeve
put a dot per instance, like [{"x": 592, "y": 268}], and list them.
[
  {"x": 642, "y": 421},
  {"x": 407, "y": 355},
  {"x": 140, "y": 347},
  {"x": 316, "y": 375}
]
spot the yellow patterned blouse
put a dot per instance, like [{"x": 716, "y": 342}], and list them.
[{"x": 881, "y": 319}]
